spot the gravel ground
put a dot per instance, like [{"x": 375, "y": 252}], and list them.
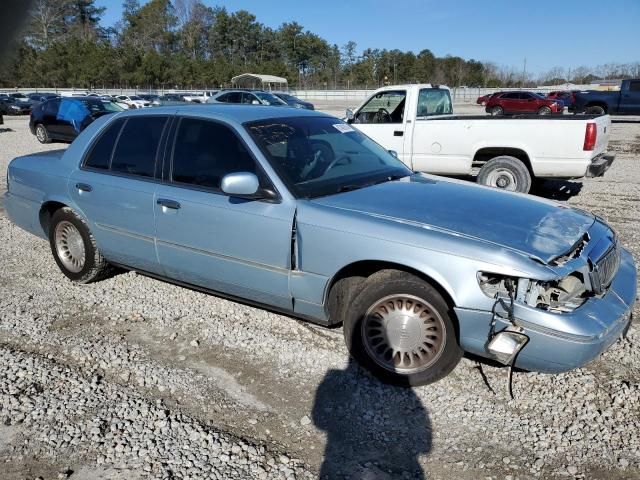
[{"x": 135, "y": 378}]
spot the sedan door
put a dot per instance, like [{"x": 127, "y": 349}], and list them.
[
  {"x": 115, "y": 187},
  {"x": 204, "y": 237}
]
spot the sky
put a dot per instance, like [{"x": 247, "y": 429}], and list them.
[{"x": 564, "y": 33}]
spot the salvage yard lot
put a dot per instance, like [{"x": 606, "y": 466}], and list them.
[{"x": 133, "y": 378}]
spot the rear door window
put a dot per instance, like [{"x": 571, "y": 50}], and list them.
[
  {"x": 137, "y": 148},
  {"x": 100, "y": 156}
]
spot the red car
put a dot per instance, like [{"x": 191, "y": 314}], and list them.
[
  {"x": 522, "y": 102},
  {"x": 485, "y": 98}
]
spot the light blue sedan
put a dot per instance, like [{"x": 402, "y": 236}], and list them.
[{"x": 296, "y": 211}]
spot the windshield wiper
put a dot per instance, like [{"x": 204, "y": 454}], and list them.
[{"x": 351, "y": 187}]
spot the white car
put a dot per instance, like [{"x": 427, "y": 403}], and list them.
[
  {"x": 133, "y": 101},
  {"x": 199, "y": 97},
  {"x": 417, "y": 123}
]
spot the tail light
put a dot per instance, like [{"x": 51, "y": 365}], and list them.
[
  {"x": 590, "y": 135},
  {"x": 573, "y": 97}
]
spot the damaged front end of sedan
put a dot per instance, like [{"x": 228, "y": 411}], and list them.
[{"x": 528, "y": 310}]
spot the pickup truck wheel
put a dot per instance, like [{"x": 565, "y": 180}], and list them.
[
  {"x": 505, "y": 172},
  {"x": 42, "y": 134},
  {"x": 74, "y": 248},
  {"x": 544, "y": 111},
  {"x": 399, "y": 327},
  {"x": 497, "y": 111},
  {"x": 595, "y": 110}
]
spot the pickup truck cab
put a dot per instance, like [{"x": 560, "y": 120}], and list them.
[
  {"x": 625, "y": 101},
  {"x": 417, "y": 123}
]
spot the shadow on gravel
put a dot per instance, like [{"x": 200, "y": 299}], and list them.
[
  {"x": 2, "y": 130},
  {"x": 556, "y": 189},
  {"x": 374, "y": 431}
]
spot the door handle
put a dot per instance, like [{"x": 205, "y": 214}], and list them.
[
  {"x": 84, "y": 187},
  {"x": 398, "y": 133},
  {"x": 163, "y": 202}
]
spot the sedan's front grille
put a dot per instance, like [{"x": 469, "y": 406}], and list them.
[{"x": 605, "y": 269}]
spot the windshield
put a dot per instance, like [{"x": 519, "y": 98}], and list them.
[
  {"x": 135, "y": 97},
  {"x": 268, "y": 98},
  {"x": 317, "y": 156}
]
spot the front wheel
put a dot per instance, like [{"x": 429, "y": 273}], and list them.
[
  {"x": 74, "y": 248},
  {"x": 508, "y": 173},
  {"x": 42, "y": 134},
  {"x": 400, "y": 328},
  {"x": 497, "y": 111},
  {"x": 544, "y": 111}
]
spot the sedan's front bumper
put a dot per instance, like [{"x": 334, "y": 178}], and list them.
[{"x": 560, "y": 341}]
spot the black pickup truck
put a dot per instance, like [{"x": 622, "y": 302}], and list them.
[{"x": 625, "y": 101}]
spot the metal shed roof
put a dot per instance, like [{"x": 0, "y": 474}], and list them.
[{"x": 253, "y": 78}]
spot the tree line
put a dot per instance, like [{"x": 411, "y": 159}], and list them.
[{"x": 187, "y": 44}]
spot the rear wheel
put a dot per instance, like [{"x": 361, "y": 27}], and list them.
[
  {"x": 74, "y": 248},
  {"x": 42, "y": 134},
  {"x": 400, "y": 328},
  {"x": 595, "y": 110},
  {"x": 497, "y": 110},
  {"x": 544, "y": 111},
  {"x": 508, "y": 173}
]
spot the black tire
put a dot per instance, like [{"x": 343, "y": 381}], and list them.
[
  {"x": 42, "y": 134},
  {"x": 595, "y": 110},
  {"x": 544, "y": 111},
  {"x": 94, "y": 267},
  {"x": 376, "y": 290},
  {"x": 497, "y": 110},
  {"x": 505, "y": 172}
]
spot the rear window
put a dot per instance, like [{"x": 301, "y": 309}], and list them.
[
  {"x": 100, "y": 156},
  {"x": 137, "y": 147},
  {"x": 634, "y": 85}
]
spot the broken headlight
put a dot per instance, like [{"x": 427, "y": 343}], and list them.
[{"x": 563, "y": 295}]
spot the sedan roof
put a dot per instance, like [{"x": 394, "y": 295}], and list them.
[{"x": 238, "y": 113}]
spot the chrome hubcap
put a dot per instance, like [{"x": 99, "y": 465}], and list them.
[
  {"x": 403, "y": 334},
  {"x": 502, "y": 178},
  {"x": 40, "y": 133},
  {"x": 69, "y": 246}
]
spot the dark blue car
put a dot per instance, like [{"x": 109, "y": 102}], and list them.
[{"x": 64, "y": 118}]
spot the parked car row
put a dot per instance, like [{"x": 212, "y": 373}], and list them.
[{"x": 304, "y": 214}]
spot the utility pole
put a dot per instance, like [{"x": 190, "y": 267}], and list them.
[
  {"x": 569, "y": 76},
  {"x": 524, "y": 71}
]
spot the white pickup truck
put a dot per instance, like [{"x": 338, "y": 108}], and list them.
[{"x": 417, "y": 123}]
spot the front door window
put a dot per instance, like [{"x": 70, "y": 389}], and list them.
[{"x": 384, "y": 107}]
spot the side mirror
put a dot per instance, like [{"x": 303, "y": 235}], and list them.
[
  {"x": 350, "y": 115},
  {"x": 240, "y": 184},
  {"x": 394, "y": 153}
]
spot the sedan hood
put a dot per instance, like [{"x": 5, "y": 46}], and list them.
[{"x": 538, "y": 228}]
